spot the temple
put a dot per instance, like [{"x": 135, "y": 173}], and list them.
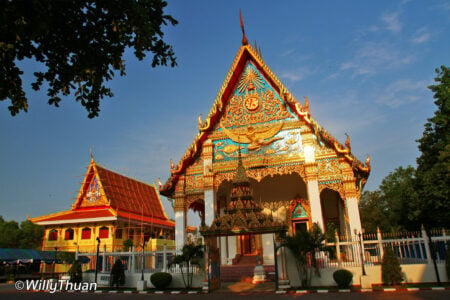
[
  {"x": 260, "y": 163},
  {"x": 110, "y": 209}
]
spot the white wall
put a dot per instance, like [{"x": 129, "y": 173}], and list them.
[
  {"x": 414, "y": 273},
  {"x": 132, "y": 278}
]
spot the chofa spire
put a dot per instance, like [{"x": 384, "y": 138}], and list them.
[{"x": 244, "y": 38}]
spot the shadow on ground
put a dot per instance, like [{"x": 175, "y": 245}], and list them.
[{"x": 245, "y": 287}]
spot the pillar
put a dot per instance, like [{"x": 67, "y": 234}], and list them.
[
  {"x": 208, "y": 185},
  {"x": 312, "y": 184},
  {"x": 180, "y": 223},
  {"x": 267, "y": 246},
  {"x": 351, "y": 198}
]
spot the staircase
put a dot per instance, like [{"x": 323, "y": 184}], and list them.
[{"x": 243, "y": 273}]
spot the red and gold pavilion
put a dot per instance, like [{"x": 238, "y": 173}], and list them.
[
  {"x": 112, "y": 207},
  {"x": 298, "y": 173}
]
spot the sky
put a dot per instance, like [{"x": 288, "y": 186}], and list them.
[{"x": 364, "y": 65}]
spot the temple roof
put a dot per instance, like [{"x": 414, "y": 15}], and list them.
[
  {"x": 248, "y": 53},
  {"x": 107, "y": 195}
]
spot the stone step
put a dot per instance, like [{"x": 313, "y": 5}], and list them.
[{"x": 242, "y": 273}]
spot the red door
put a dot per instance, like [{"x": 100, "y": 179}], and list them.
[{"x": 246, "y": 244}]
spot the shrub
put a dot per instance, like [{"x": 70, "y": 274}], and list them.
[
  {"x": 343, "y": 278},
  {"x": 161, "y": 280},
  {"x": 75, "y": 272},
  {"x": 117, "y": 274},
  {"x": 391, "y": 272}
]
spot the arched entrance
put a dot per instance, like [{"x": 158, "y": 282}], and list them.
[{"x": 333, "y": 211}]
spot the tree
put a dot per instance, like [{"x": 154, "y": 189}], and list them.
[
  {"x": 391, "y": 272},
  {"x": 80, "y": 45},
  {"x": 373, "y": 211},
  {"x": 9, "y": 234},
  {"x": 398, "y": 192},
  {"x": 75, "y": 272},
  {"x": 432, "y": 208},
  {"x": 191, "y": 255},
  {"x": 30, "y": 235},
  {"x": 388, "y": 208},
  {"x": 117, "y": 274},
  {"x": 127, "y": 244},
  {"x": 303, "y": 245}
]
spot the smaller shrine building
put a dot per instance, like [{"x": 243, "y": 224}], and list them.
[{"x": 110, "y": 208}]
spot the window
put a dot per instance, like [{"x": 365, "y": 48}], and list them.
[
  {"x": 103, "y": 232},
  {"x": 119, "y": 233},
  {"x": 86, "y": 234},
  {"x": 68, "y": 235},
  {"x": 53, "y": 235}
]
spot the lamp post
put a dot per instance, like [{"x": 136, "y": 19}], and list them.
[
  {"x": 54, "y": 262},
  {"x": 361, "y": 251},
  {"x": 143, "y": 260},
  {"x": 96, "y": 260}
]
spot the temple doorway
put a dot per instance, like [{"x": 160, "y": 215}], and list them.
[{"x": 248, "y": 245}]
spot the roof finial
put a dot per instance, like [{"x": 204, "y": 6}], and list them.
[
  {"x": 90, "y": 153},
  {"x": 244, "y": 38}
]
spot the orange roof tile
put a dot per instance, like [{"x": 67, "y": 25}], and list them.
[
  {"x": 75, "y": 214},
  {"x": 130, "y": 195}
]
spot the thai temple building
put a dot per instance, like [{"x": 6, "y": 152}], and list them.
[
  {"x": 261, "y": 164},
  {"x": 110, "y": 208}
]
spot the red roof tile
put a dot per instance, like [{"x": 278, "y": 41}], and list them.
[
  {"x": 130, "y": 195},
  {"x": 132, "y": 216},
  {"x": 76, "y": 214}
]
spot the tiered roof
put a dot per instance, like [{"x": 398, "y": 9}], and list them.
[{"x": 108, "y": 196}]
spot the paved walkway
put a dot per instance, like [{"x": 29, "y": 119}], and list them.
[{"x": 245, "y": 287}]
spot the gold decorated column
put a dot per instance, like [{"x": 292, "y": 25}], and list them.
[
  {"x": 311, "y": 171},
  {"x": 351, "y": 198}
]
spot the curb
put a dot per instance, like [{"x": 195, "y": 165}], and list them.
[
  {"x": 319, "y": 291},
  {"x": 298, "y": 292}
]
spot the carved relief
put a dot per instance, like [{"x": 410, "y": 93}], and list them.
[{"x": 259, "y": 174}]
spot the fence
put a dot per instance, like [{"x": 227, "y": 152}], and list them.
[
  {"x": 137, "y": 261},
  {"x": 409, "y": 247}
]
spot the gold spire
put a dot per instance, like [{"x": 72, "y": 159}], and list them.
[{"x": 244, "y": 38}]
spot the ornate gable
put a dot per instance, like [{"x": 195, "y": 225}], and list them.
[
  {"x": 254, "y": 111},
  {"x": 91, "y": 192}
]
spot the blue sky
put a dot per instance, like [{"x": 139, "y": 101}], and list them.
[{"x": 365, "y": 66}]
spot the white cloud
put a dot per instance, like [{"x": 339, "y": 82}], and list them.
[
  {"x": 421, "y": 36},
  {"x": 392, "y": 22},
  {"x": 403, "y": 91},
  {"x": 372, "y": 57},
  {"x": 297, "y": 74},
  {"x": 293, "y": 76}
]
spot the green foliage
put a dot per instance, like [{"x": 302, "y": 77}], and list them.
[
  {"x": 191, "y": 255},
  {"x": 303, "y": 247},
  {"x": 66, "y": 257},
  {"x": 117, "y": 274},
  {"x": 343, "y": 278},
  {"x": 127, "y": 244},
  {"x": 30, "y": 235},
  {"x": 27, "y": 236},
  {"x": 432, "y": 208},
  {"x": 388, "y": 208},
  {"x": 161, "y": 280},
  {"x": 75, "y": 272},
  {"x": 391, "y": 272},
  {"x": 79, "y": 44}
]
